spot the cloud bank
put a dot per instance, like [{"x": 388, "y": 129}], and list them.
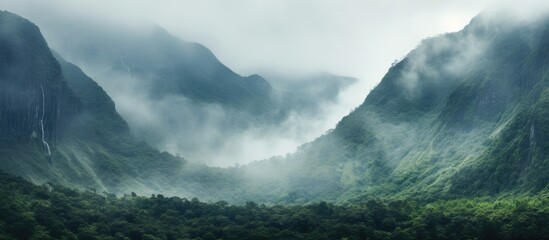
[{"x": 353, "y": 38}]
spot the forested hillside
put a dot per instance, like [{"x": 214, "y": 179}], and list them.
[
  {"x": 49, "y": 211},
  {"x": 463, "y": 114}
]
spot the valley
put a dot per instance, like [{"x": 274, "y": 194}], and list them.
[{"x": 102, "y": 139}]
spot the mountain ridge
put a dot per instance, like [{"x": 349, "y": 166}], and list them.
[{"x": 436, "y": 124}]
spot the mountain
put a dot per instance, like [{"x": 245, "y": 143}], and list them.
[
  {"x": 462, "y": 114},
  {"x": 59, "y": 126},
  {"x": 178, "y": 97},
  {"x": 308, "y": 94},
  {"x": 159, "y": 63},
  {"x": 452, "y": 144},
  {"x": 35, "y": 103}
]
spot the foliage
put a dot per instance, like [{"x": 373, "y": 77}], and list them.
[{"x": 51, "y": 212}]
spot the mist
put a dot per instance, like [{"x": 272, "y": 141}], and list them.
[
  {"x": 284, "y": 41},
  {"x": 200, "y": 130},
  {"x": 410, "y": 135}
]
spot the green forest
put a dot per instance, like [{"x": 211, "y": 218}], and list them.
[{"x": 54, "y": 212}]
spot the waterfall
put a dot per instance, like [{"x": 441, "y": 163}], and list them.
[
  {"x": 126, "y": 67},
  {"x": 46, "y": 145},
  {"x": 532, "y": 141},
  {"x": 532, "y": 136}
]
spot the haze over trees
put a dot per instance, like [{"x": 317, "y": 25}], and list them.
[{"x": 452, "y": 143}]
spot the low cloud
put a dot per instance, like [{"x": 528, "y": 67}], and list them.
[
  {"x": 264, "y": 37},
  {"x": 441, "y": 59},
  {"x": 205, "y": 132}
]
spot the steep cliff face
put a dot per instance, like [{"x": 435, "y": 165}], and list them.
[
  {"x": 58, "y": 125},
  {"x": 35, "y": 102}
]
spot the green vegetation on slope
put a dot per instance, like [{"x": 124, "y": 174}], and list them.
[
  {"x": 464, "y": 114},
  {"x": 51, "y": 212}
]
